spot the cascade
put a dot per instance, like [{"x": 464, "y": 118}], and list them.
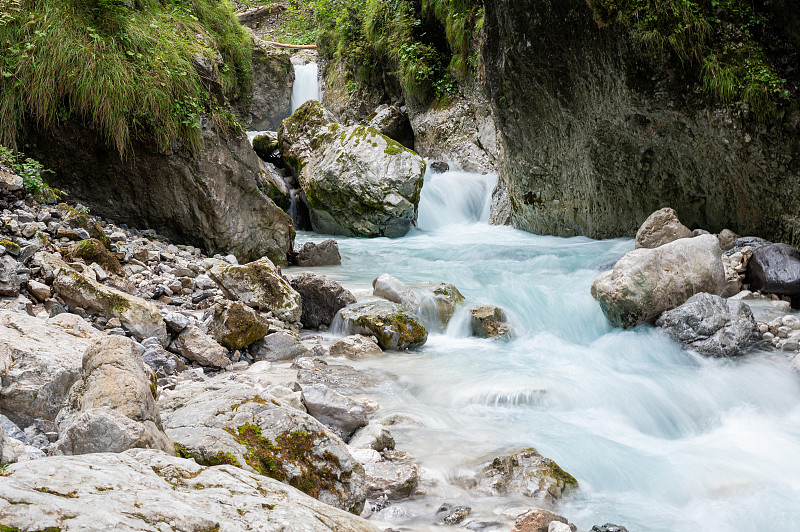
[{"x": 306, "y": 85}]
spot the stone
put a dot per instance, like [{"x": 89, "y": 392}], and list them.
[
  {"x": 558, "y": 526},
  {"x": 393, "y": 326},
  {"x": 355, "y": 181},
  {"x": 538, "y": 520},
  {"x": 390, "y": 480},
  {"x": 278, "y": 346},
  {"x": 145, "y": 490},
  {"x": 661, "y": 227},
  {"x": 259, "y": 285},
  {"x": 775, "y": 269},
  {"x": 159, "y": 359},
  {"x": 438, "y": 303},
  {"x": 140, "y": 317},
  {"x": 343, "y": 379},
  {"x": 355, "y": 347},
  {"x": 338, "y": 412},
  {"x": 393, "y": 289},
  {"x": 712, "y": 325},
  {"x": 727, "y": 239},
  {"x": 271, "y": 90},
  {"x": 9, "y": 280},
  {"x": 608, "y": 527},
  {"x": 13, "y": 450},
  {"x": 646, "y": 282},
  {"x": 393, "y": 123},
  {"x": 325, "y": 253},
  {"x": 39, "y": 362},
  {"x": 237, "y": 423},
  {"x": 489, "y": 322},
  {"x": 193, "y": 344},
  {"x": 10, "y": 181},
  {"x": 526, "y": 473},
  {"x": 439, "y": 167},
  {"x": 39, "y": 290},
  {"x": 236, "y": 326},
  {"x": 373, "y": 436},
  {"x": 321, "y": 298},
  {"x": 176, "y": 322}
]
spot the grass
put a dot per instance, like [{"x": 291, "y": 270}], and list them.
[
  {"x": 722, "y": 39},
  {"x": 125, "y": 69}
]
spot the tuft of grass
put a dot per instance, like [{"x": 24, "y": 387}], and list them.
[{"x": 126, "y": 69}]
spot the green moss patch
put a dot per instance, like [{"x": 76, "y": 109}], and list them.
[
  {"x": 213, "y": 460},
  {"x": 92, "y": 250}
]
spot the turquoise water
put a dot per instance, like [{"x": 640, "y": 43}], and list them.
[{"x": 659, "y": 439}]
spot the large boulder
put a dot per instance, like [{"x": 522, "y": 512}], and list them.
[
  {"x": 39, "y": 363},
  {"x": 270, "y": 99},
  {"x": 236, "y": 423},
  {"x": 661, "y": 227},
  {"x": 326, "y": 253},
  {"x": 193, "y": 344},
  {"x": 340, "y": 413},
  {"x": 113, "y": 407},
  {"x": 259, "y": 285},
  {"x": 355, "y": 181},
  {"x": 712, "y": 325},
  {"x": 277, "y": 346},
  {"x": 236, "y": 326},
  {"x": 393, "y": 289},
  {"x": 145, "y": 490},
  {"x": 140, "y": 317},
  {"x": 321, "y": 298},
  {"x": 646, "y": 282},
  {"x": 390, "y": 323},
  {"x": 209, "y": 199},
  {"x": 775, "y": 269}
]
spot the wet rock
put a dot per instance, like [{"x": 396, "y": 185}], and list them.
[
  {"x": 334, "y": 410},
  {"x": 259, "y": 285},
  {"x": 393, "y": 289},
  {"x": 193, "y": 344},
  {"x": 608, "y": 527},
  {"x": 236, "y": 326},
  {"x": 390, "y": 323},
  {"x": 712, "y": 325},
  {"x": 134, "y": 489},
  {"x": 525, "y": 473},
  {"x": 661, "y": 227},
  {"x": 445, "y": 298},
  {"x": 321, "y": 298},
  {"x": 538, "y": 520},
  {"x": 646, "y": 282},
  {"x": 393, "y": 123},
  {"x": 489, "y": 322},
  {"x": 775, "y": 269},
  {"x": 325, "y": 253},
  {"x": 278, "y": 346},
  {"x": 439, "y": 167},
  {"x": 355, "y": 347},
  {"x": 140, "y": 317},
  {"x": 39, "y": 362},
  {"x": 374, "y": 436}
]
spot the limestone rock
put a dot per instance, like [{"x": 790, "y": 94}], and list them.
[
  {"x": 712, "y": 325},
  {"x": 355, "y": 347},
  {"x": 10, "y": 181},
  {"x": 259, "y": 285},
  {"x": 194, "y": 344},
  {"x": 39, "y": 290},
  {"x": 374, "y": 436},
  {"x": 390, "y": 323},
  {"x": 646, "y": 282},
  {"x": 140, "y": 317},
  {"x": 393, "y": 289},
  {"x": 443, "y": 298},
  {"x": 539, "y": 520},
  {"x": 236, "y": 326},
  {"x": 393, "y": 123},
  {"x": 140, "y": 489},
  {"x": 775, "y": 269},
  {"x": 340, "y": 413},
  {"x": 727, "y": 239},
  {"x": 489, "y": 322},
  {"x": 391, "y": 480},
  {"x": 39, "y": 362},
  {"x": 278, "y": 346},
  {"x": 355, "y": 181},
  {"x": 273, "y": 75},
  {"x": 326, "y": 253},
  {"x": 9, "y": 280},
  {"x": 321, "y": 298},
  {"x": 661, "y": 227}
]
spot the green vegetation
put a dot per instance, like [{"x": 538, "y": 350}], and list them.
[
  {"x": 126, "y": 69},
  {"x": 30, "y": 170},
  {"x": 214, "y": 460},
  {"x": 92, "y": 250},
  {"x": 721, "y": 37}
]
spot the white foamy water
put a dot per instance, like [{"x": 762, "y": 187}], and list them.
[
  {"x": 306, "y": 85},
  {"x": 659, "y": 439}
]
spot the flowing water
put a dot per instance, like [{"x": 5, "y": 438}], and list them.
[
  {"x": 659, "y": 439},
  {"x": 306, "y": 85}
]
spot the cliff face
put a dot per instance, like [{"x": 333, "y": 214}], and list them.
[{"x": 597, "y": 133}]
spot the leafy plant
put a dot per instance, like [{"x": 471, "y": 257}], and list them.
[{"x": 32, "y": 173}]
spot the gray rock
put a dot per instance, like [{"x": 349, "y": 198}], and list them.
[
  {"x": 10, "y": 181},
  {"x": 712, "y": 325},
  {"x": 13, "y": 450},
  {"x": 278, "y": 346},
  {"x": 355, "y": 347},
  {"x": 344, "y": 379},
  {"x": 139, "y": 489},
  {"x": 12, "y": 430},
  {"x": 194, "y": 344},
  {"x": 661, "y": 227},
  {"x": 396, "y": 291},
  {"x": 438, "y": 304},
  {"x": 392, "y": 325},
  {"x": 374, "y": 436},
  {"x": 39, "y": 290},
  {"x": 325, "y": 253},
  {"x": 176, "y": 322},
  {"x": 727, "y": 239},
  {"x": 608, "y": 527},
  {"x": 439, "y": 167},
  {"x": 393, "y": 123},
  {"x": 321, "y": 298},
  {"x": 646, "y": 282},
  {"x": 390, "y": 480},
  {"x": 334, "y": 410},
  {"x": 775, "y": 269},
  {"x": 489, "y": 322},
  {"x": 270, "y": 100},
  {"x": 236, "y": 326},
  {"x": 9, "y": 280},
  {"x": 158, "y": 358},
  {"x": 539, "y": 520}
]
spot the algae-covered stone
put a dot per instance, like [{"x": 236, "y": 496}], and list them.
[
  {"x": 236, "y": 326},
  {"x": 390, "y": 323},
  {"x": 140, "y": 317},
  {"x": 81, "y": 220},
  {"x": 355, "y": 181},
  {"x": 92, "y": 250},
  {"x": 259, "y": 285}
]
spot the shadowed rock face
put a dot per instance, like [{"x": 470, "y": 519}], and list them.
[
  {"x": 596, "y": 134},
  {"x": 210, "y": 200}
]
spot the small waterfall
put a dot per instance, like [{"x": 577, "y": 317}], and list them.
[
  {"x": 306, "y": 85},
  {"x": 455, "y": 198}
]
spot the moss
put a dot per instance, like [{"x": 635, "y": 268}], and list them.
[
  {"x": 11, "y": 247},
  {"x": 213, "y": 460},
  {"x": 4, "y": 528},
  {"x": 242, "y": 325},
  {"x": 257, "y": 399},
  {"x": 265, "y": 146},
  {"x": 70, "y": 495},
  {"x": 116, "y": 303},
  {"x": 392, "y": 149},
  {"x": 92, "y": 250},
  {"x": 555, "y": 472}
]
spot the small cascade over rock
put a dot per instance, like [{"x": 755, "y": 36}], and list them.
[
  {"x": 455, "y": 197},
  {"x": 306, "y": 84}
]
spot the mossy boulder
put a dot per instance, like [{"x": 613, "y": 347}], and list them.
[
  {"x": 140, "y": 317},
  {"x": 92, "y": 250},
  {"x": 259, "y": 285},
  {"x": 393, "y": 326},
  {"x": 355, "y": 181},
  {"x": 81, "y": 220},
  {"x": 236, "y": 326}
]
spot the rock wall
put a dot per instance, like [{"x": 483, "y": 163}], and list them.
[
  {"x": 271, "y": 91},
  {"x": 596, "y": 133},
  {"x": 210, "y": 200}
]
